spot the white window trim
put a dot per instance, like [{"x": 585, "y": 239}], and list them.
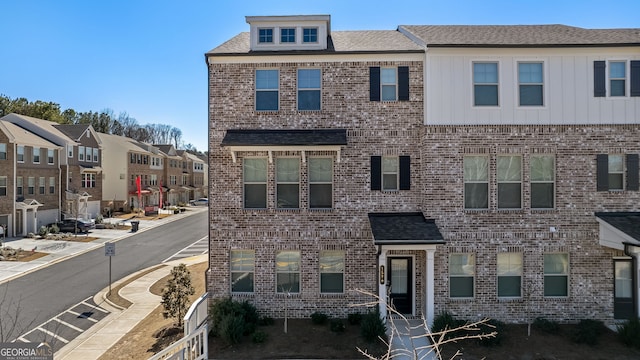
[
  {"x": 34, "y": 151},
  {"x": 627, "y": 79},
  {"x": 521, "y": 277},
  {"x": 53, "y": 156},
  {"x": 521, "y": 182},
  {"x": 545, "y": 84},
  {"x": 382, "y": 84},
  {"x": 397, "y": 173},
  {"x": 568, "y": 275},
  {"x": 317, "y": 35},
  {"x": 623, "y": 172},
  {"x": 554, "y": 181},
  {"x": 499, "y": 84},
  {"x": 81, "y": 153},
  {"x": 18, "y": 153},
  {"x": 70, "y": 151}
]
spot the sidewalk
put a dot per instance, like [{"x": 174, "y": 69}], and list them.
[
  {"x": 96, "y": 341},
  {"x": 60, "y": 250}
]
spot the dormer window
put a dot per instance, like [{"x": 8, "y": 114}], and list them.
[
  {"x": 287, "y": 35},
  {"x": 265, "y": 36},
  {"x": 310, "y": 35}
]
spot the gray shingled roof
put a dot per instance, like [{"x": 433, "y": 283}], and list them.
[
  {"x": 627, "y": 222},
  {"x": 520, "y": 35},
  {"x": 74, "y": 131},
  {"x": 404, "y": 228},
  {"x": 254, "y": 137},
  {"x": 339, "y": 42}
]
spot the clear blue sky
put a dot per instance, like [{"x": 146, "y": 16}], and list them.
[{"x": 146, "y": 58}]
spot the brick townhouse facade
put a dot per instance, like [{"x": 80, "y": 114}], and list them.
[{"x": 485, "y": 171}]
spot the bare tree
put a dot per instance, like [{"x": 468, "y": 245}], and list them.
[
  {"x": 176, "y": 136},
  {"x": 11, "y": 326}
]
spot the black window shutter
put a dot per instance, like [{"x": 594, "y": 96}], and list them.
[
  {"x": 374, "y": 83},
  {"x": 376, "y": 173},
  {"x": 602, "y": 172},
  {"x": 403, "y": 83},
  {"x": 599, "y": 88},
  {"x": 405, "y": 172},
  {"x": 632, "y": 172},
  {"x": 635, "y": 78}
]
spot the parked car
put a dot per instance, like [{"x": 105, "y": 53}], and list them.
[
  {"x": 69, "y": 225},
  {"x": 201, "y": 201}
]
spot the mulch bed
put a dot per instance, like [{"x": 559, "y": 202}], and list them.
[{"x": 26, "y": 256}]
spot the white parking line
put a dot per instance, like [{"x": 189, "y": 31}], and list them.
[
  {"x": 95, "y": 307},
  {"x": 184, "y": 250},
  {"x": 68, "y": 325},
  {"x": 82, "y": 316},
  {"x": 23, "y": 339},
  {"x": 54, "y": 335}
]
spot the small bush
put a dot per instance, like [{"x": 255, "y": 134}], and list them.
[
  {"x": 337, "y": 325},
  {"x": 372, "y": 327},
  {"x": 587, "y": 332},
  {"x": 629, "y": 333},
  {"x": 490, "y": 326},
  {"x": 245, "y": 311},
  {"x": 43, "y": 231},
  {"x": 231, "y": 328},
  {"x": 546, "y": 326},
  {"x": 266, "y": 321},
  {"x": 54, "y": 229},
  {"x": 99, "y": 219},
  {"x": 445, "y": 321},
  {"x": 319, "y": 318},
  {"x": 354, "y": 319},
  {"x": 259, "y": 337}
]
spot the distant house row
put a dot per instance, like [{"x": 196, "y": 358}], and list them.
[{"x": 49, "y": 171}]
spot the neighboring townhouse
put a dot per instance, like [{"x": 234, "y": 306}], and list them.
[
  {"x": 193, "y": 169},
  {"x": 29, "y": 180},
  {"x": 488, "y": 171},
  {"x": 176, "y": 176},
  {"x": 80, "y": 163},
  {"x": 124, "y": 161}
]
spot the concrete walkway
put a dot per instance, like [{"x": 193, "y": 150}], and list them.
[
  {"x": 96, "y": 341},
  {"x": 409, "y": 340}
]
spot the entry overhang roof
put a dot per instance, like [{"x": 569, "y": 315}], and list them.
[
  {"x": 404, "y": 228},
  {"x": 619, "y": 228}
]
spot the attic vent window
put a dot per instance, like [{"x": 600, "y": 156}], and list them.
[
  {"x": 265, "y": 36},
  {"x": 288, "y": 35},
  {"x": 310, "y": 35}
]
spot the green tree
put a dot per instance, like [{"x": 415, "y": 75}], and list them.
[{"x": 175, "y": 296}]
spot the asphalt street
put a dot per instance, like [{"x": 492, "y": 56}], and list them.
[{"x": 41, "y": 295}]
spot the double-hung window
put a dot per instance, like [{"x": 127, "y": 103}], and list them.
[
  {"x": 31, "y": 182},
  {"x": 476, "y": 182},
  {"x": 617, "y": 78},
  {"x": 320, "y": 183},
  {"x": 509, "y": 274},
  {"x": 70, "y": 151},
  {"x": 3, "y": 151},
  {"x": 485, "y": 84},
  {"x": 20, "y": 156},
  {"x": 255, "y": 183},
  {"x": 390, "y": 173},
  {"x": 19, "y": 186},
  {"x": 309, "y": 85},
  {"x": 542, "y": 169},
  {"x": 332, "y": 271},
  {"x": 531, "y": 84},
  {"x": 81, "y": 153},
  {"x": 556, "y": 274},
  {"x": 265, "y": 36},
  {"x": 509, "y": 182},
  {"x": 95, "y": 154},
  {"x": 309, "y": 35},
  {"x": 3, "y": 186},
  {"x": 462, "y": 271},
  {"x": 52, "y": 185},
  {"x": 267, "y": 83},
  {"x": 287, "y": 35},
  {"x": 50, "y": 156},
  {"x": 617, "y": 172},
  {"x": 287, "y": 183},
  {"x": 388, "y": 84},
  {"x": 41, "y": 185},
  {"x": 36, "y": 155},
  {"x": 89, "y": 151},
  {"x": 288, "y": 272},
  {"x": 242, "y": 270}
]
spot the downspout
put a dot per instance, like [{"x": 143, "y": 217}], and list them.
[{"x": 634, "y": 266}]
